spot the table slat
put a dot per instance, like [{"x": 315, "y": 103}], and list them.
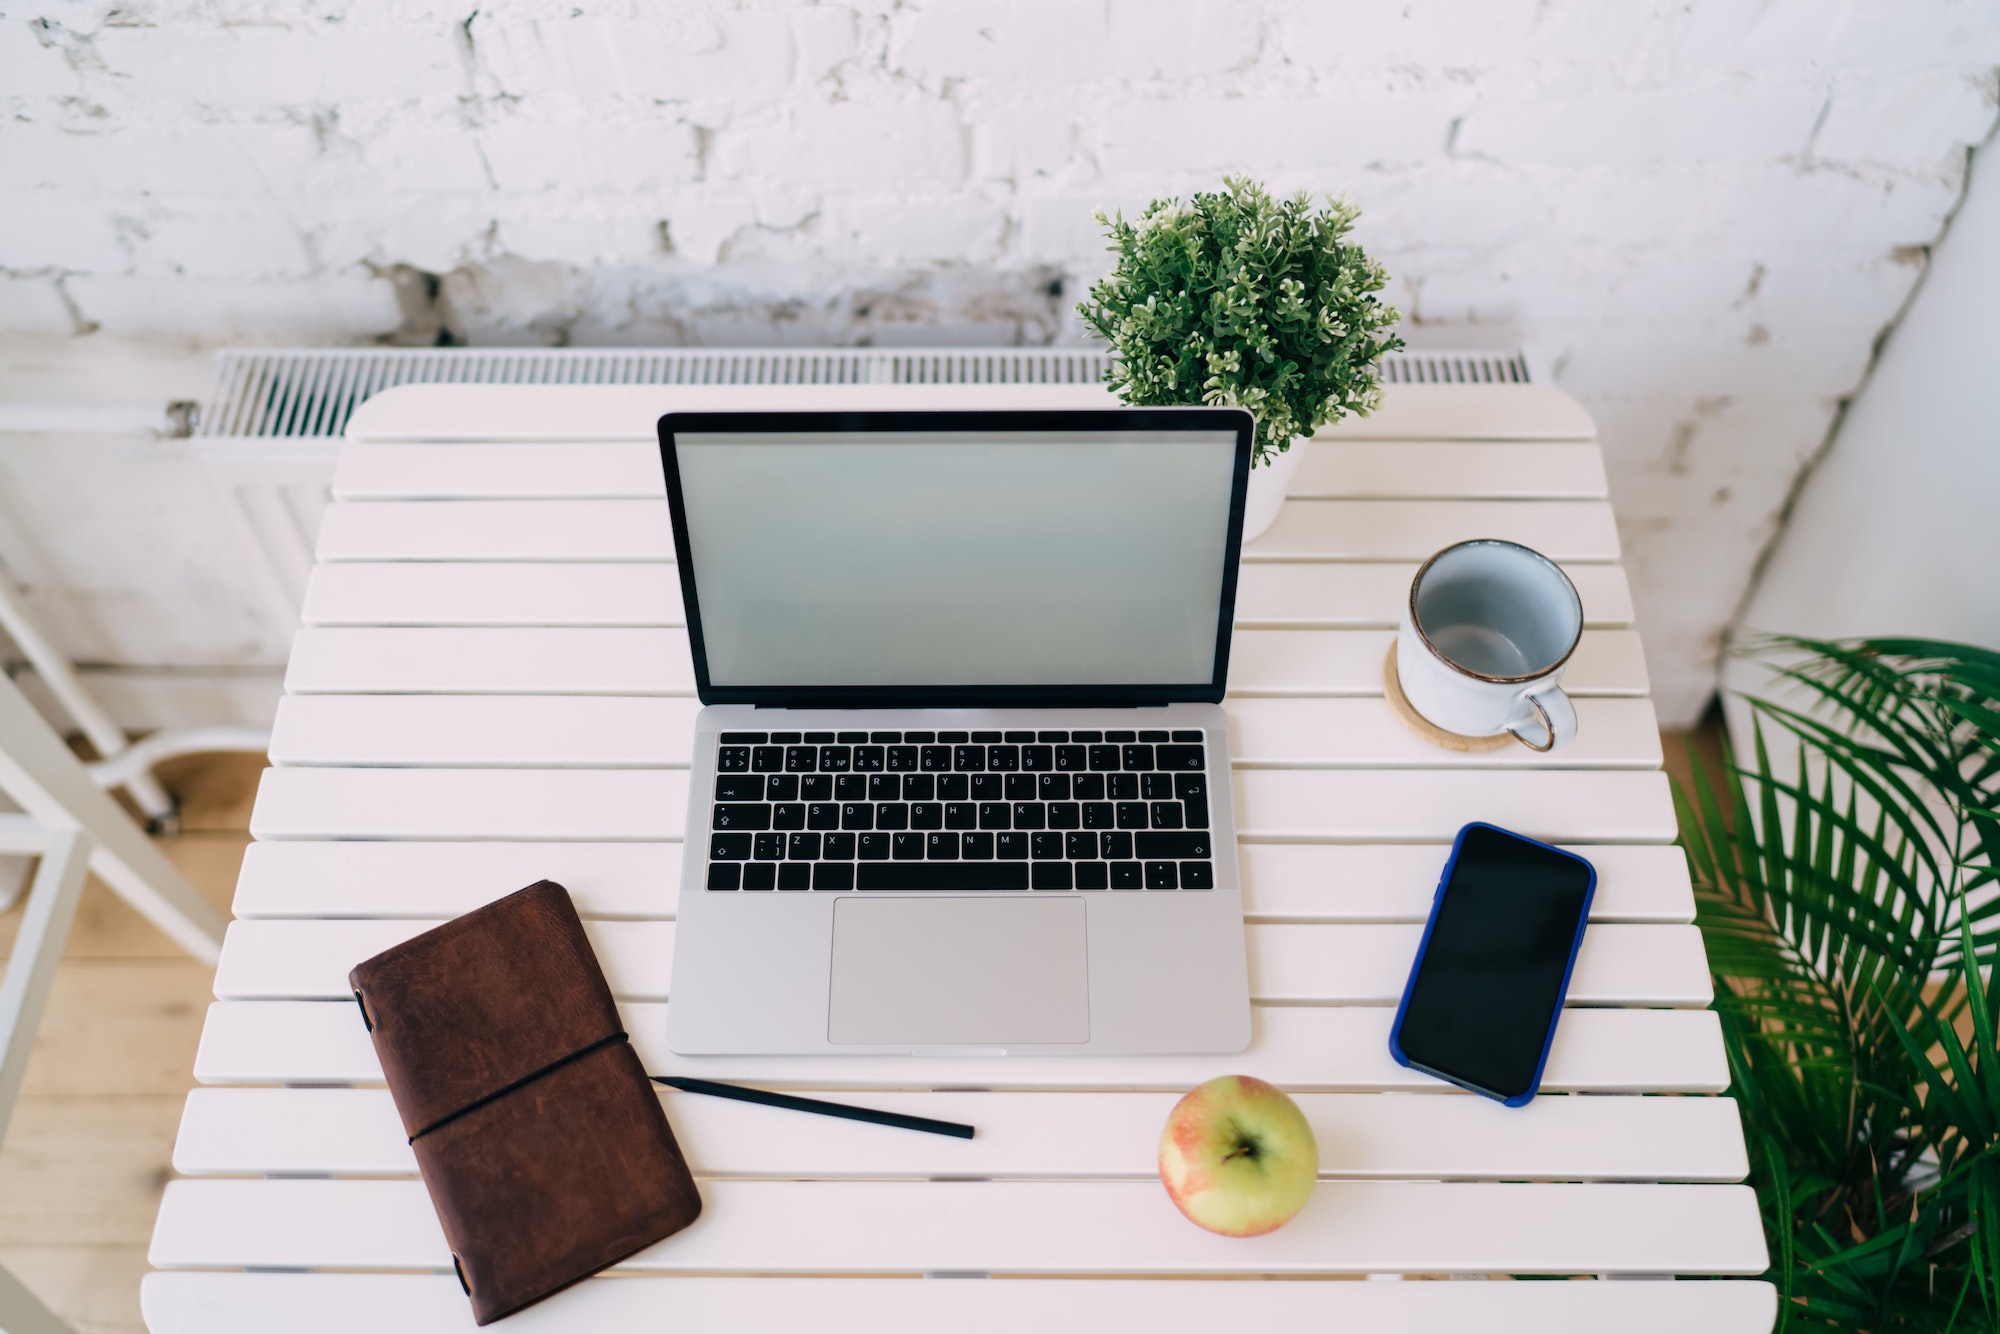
[
  {"x": 447, "y": 412},
  {"x": 1331, "y": 1048},
  {"x": 1289, "y": 881},
  {"x": 1040, "y": 1227},
  {"x": 1349, "y": 963},
  {"x": 630, "y": 731},
  {"x": 471, "y": 593},
  {"x": 604, "y": 805},
  {"x": 641, "y": 530},
  {"x": 1361, "y": 1136},
  {"x": 212, "y": 1303},
  {"x": 582, "y": 660},
  {"x": 630, "y": 470}
]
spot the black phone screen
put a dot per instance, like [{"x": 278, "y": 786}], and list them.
[{"x": 1483, "y": 996}]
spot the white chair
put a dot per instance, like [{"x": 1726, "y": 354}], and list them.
[{"x": 69, "y": 821}]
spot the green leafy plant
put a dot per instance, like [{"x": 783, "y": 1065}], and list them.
[
  {"x": 1846, "y": 901},
  {"x": 1236, "y": 298}
]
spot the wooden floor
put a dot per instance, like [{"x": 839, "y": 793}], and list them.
[
  {"x": 89, "y": 1150},
  {"x": 87, "y": 1154}
]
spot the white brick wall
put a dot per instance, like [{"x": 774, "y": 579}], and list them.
[{"x": 1702, "y": 213}]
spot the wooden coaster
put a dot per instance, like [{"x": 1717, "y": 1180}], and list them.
[{"x": 1400, "y": 705}]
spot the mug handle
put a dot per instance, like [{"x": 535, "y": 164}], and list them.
[{"x": 1558, "y": 718}]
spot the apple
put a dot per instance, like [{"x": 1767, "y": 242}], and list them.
[{"x": 1238, "y": 1157}]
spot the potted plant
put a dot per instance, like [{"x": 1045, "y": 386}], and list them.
[
  {"x": 1846, "y": 899},
  {"x": 1237, "y": 298}
]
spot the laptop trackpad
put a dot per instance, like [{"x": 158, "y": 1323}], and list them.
[{"x": 954, "y": 971}]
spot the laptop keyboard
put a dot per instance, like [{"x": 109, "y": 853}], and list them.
[{"x": 1053, "y": 811}]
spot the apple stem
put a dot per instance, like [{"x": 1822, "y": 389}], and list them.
[{"x": 1238, "y": 1152}]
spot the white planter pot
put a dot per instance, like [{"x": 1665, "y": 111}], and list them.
[{"x": 1268, "y": 485}]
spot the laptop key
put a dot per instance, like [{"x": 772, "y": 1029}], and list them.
[
  {"x": 1121, "y": 736},
  {"x": 1065, "y": 815},
  {"x": 976, "y": 847},
  {"x": 1162, "y": 875},
  {"x": 1180, "y": 757},
  {"x": 1103, "y": 759},
  {"x": 1071, "y": 759},
  {"x": 743, "y": 738},
  {"x": 1018, "y": 736},
  {"x": 741, "y": 815},
  {"x": 936, "y": 759},
  {"x": 1053, "y": 787},
  {"x": 816, "y": 787},
  {"x": 885, "y": 738},
  {"x": 725, "y": 875},
  {"x": 819, "y": 738},
  {"x": 1093, "y": 875},
  {"x": 988, "y": 787},
  {"x": 838, "y": 847},
  {"x": 1052, "y": 736},
  {"x": 885, "y": 787},
  {"x": 1030, "y": 815},
  {"x": 1048, "y": 847},
  {"x": 920, "y": 787},
  {"x": 1011, "y": 846},
  {"x": 1137, "y": 758},
  {"x": 953, "y": 738},
  {"x": 961, "y": 815},
  {"x": 781, "y": 787},
  {"x": 941, "y": 875},
  {"x": 995, "y": 815},
  {"x": 729, "y": 847},
  {"x": 941, "y": 846},
  {"x": 869, "y": 759},
  {"x": 1152, "y": 735},
  {"x": 1177, "y": 845},
  {"x": 795, "y": 875},
  {"x": 1086, "y": 736},
  {"x": 1156, "y": 787},
  {"x": 767, "y": 759},
  {"x": 836, "y": 759},
  {"x": 1098, "y": 815},
  {"x": 1196, "y": 809},
  {"x": 901, "y": 759},
  {"x": 1003, "y": 759},
  {"x": 968, "y": 759},
  {"x": 833, "y": 875},
  {"x": 1127, "y": 875},
  {"x": 1051, "y": 875},
  {"x": 1134, "y": 815},
  {"x": 788, "y": 815},
  {"x": 1020, "y": 787},
  {"x": 786, "y": 738},
  {"x": 1038, "y": 759},
  {"x": 983, "y": 737},
  {"x": 822, "y": 815},
  {"x": 906, "y": 847},
  {"x": 801, "y": 759},
  {"x": 802, "y": 848},
  {"x": 1080, "y": 847},
  {"x": 1090, "y": 787},
  {"x": 769, "y": 848},
  {"x": 850, "y": 738},
  {"x": 926, "y": 815},
  {"x": 1188, "y": 734},
  {"x": 953, "y": 787},
  {"x": 872, "y": 847},
  {"x": 732, "y": 759},
  {"x": 857, "y": 815},
  {"x": 1197, "y": 875},
  {"x": 1122, "y": 787},
  {"x": 892, "y": 815},
  {"x": 760, "y": 875},
  {"x": 850, "y": 787},
  {"x": 919, "y": 738},
  {"x": 1166, "y": 815},
  {"x": 1117, "y": 847},
  {"x": 739, "y": 787}
]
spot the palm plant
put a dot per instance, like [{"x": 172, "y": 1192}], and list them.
[{"x": 1847, "y": 902}]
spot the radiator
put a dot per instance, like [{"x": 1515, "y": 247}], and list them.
[{"x": 270, "y": 430}]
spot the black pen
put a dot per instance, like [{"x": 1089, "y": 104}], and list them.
[{"x": 840, "y": 1109}]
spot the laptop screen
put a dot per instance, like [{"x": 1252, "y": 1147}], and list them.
[{"x": 1086, "y": 555}]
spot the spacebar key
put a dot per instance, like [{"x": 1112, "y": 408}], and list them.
[{"x": 941, "y": 875}]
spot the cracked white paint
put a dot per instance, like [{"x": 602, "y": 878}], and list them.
[{"x": 1701, "y": 214}]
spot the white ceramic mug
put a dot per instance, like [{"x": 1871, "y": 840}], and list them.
[{"x": 1484, "y": 638}]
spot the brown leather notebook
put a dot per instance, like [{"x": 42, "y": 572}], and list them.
[{"x": 543, "y": 1145}]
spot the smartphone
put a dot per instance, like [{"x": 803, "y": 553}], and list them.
[{"x": 1491, "y": 970}]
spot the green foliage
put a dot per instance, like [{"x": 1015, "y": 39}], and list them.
[
  {"x": 1846, "y": 903},
  {"x": 1236, "y": 298}
]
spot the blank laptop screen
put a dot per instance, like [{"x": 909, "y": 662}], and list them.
[{"x": 958, "y": 558}]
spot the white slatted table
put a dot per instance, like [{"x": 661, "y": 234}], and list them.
[{"x": 492, "y": 687}]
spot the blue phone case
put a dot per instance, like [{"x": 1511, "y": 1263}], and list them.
[{"x": 1569, "y": 967}]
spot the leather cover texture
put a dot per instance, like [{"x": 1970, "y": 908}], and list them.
[{"x": 541, "y": 1142}]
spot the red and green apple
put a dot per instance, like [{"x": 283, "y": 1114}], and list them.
[{"x": 1238, "y": 1157}]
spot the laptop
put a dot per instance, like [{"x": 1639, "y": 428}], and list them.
[{"x": 960, "y": 784}]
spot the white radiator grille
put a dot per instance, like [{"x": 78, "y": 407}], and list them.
[
  {"x": 270, "y": 431},
  {"x": 312, "y": 392}
]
